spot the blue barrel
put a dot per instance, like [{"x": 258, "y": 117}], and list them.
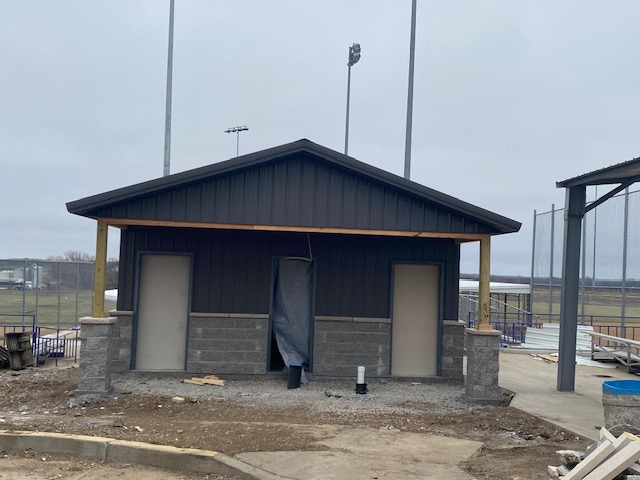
[{"x": 621, "y": 402}]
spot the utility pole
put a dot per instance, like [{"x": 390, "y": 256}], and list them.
[{"x": 354, "y": 56}]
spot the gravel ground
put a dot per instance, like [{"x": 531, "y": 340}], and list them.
[
  {"x": 262, "y": 415},
  {"x": 387, "y": 397}
]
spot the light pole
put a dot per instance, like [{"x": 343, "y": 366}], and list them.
[
  {"x": 412, "y": 54},
  {"x": 167, "y": 119},
  {"x": 354, "y": 56},
  {"x": 237, "y": 131}
]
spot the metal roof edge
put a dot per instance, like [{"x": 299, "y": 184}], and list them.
[{"x": 591, "y": 178}]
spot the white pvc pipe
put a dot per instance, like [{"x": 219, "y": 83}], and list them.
[{"x": 360, "y": 375}]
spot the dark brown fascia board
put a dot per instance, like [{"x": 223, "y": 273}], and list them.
[
  {"x": 618, "y": 173},
  {"x": 500, "y": 223}
]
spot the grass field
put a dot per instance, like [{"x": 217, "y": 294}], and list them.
[
  {"x": 67, "y": 311},
  {"x": 600, "y": 305}
]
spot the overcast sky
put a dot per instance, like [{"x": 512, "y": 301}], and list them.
[{"x": 510, "y": 97}]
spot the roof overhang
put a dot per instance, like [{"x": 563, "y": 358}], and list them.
[
  {"x": 625, "y": 172},
  {"x": 458, "y": 237}
]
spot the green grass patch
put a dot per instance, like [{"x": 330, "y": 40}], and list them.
[{"x": 52, "y": 308}]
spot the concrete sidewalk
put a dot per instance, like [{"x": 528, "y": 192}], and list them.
[{"x": 534, "y": 383}]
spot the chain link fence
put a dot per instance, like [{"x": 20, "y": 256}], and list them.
[
  {"x": 45, "y": 293},
  {"x": 610, "y": 262}
]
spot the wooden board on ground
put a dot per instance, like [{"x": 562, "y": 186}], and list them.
[{"x": 207, "y": 380}]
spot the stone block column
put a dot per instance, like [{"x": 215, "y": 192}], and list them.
[
  {"x": 452, "y": 350},
  {"x": 483, "y": 365},
  {"x": 96, "y": 354}
]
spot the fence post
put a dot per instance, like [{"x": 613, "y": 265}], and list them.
[{"x": 24, "y": 290}]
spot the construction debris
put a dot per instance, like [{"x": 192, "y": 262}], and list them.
[
  {"x": 206, "y": 380},
  {"x": 610, "y": 458}
]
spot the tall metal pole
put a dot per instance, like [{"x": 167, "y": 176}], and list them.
[
  {"x": 167, "y": 120},
  {"x": 583, "y": 278},
  {"x": 533, "y": 262},
  {"x": 574, "y": 212},
  {"x": 354, "y": 57},
  {"x": 625, "y": 238},
  {"x": 346, "y": 128},
  {"x": 412, "y": 52},
  {"x": 553, "y": 224}
]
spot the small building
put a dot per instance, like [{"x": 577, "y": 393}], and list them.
[{"x": 294, "y": 254}]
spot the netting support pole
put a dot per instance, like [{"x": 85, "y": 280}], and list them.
[
  {"x": 533, "y": 262},
  {"x": 553, "y": 228},
  {"x": 625, "y": 238}
]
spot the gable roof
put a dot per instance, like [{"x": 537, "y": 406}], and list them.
[{"x": 328, "y": 173}]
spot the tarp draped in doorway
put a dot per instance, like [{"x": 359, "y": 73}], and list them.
[{"x": 292, "y": 310}]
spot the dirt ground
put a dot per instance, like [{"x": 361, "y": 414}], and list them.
[{"x": 516, "y": 445}]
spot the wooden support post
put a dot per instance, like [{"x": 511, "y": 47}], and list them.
[
  {"x": 99, "y": 271},
  {"x": 484, "y": 300}
]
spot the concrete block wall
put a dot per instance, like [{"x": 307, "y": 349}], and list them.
[
  {"x": 483, "y": 366},
  {"x": 453, "y": 350},
  {"x": 121, "y": 342},
  {"x": 96, "y": 353},
  {"x": 342, "y": 344},
  {"x": 228, "y": 343}
]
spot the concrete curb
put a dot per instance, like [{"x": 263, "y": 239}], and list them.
[{"x": 124, "y": 451}]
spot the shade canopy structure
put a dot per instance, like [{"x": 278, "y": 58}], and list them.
[{"x": 622, "y": 175}]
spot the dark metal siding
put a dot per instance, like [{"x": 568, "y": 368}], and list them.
[
  {"x": 233, "y": 268},
  {"x": 298, "y": 191}
]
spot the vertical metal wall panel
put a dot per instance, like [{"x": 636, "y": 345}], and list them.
[
  {"x": 292, "y": 192},
  {"x": 335, "y": 198},
  {"x": 120, "y": 210},
  {"x": 417, "y": 216},
  {"x": 307, "y": 193},
  {"x": 279, "y": 209},
  {"x": 404, "y": 213},
  {"x": 221, "y": 206},
  {"x": 376, "y": 204},
  {"x": 149, "y": 207},
  {"x": 295, "y": 192},
  {"x": 193, "y": 203},
  {"x": 349, "y": 197},
  {"x": 266, "y": 195},
  {"x": 363, "y": 207},
  {"x": 251, "y": 197},
  {"x": 134, "y": 209},
  {"x": 323, "y": 180},
  {"x": 444, "y": 221},
  {"x": 178, "y": 204},
  {"x": 390, "y": 210},
  {"x": 164, "y": 205},
  {"x": 236, "y": 197},
  {"x": 233, "y": 268}
]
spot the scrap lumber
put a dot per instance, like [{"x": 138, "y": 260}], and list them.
[
  {"x": 618, "y": 462},
  {"x": 207, "y": 380},
  {"x": 599, "y": 455}
]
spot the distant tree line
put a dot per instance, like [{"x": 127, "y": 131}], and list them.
[{"x": 69, "y": 274}]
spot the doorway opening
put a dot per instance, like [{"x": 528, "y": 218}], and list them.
[{"x": 291, "y": 318}]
